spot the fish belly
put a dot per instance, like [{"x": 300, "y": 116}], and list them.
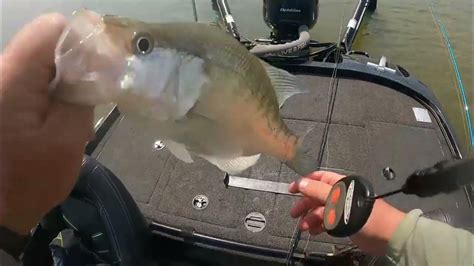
[{"x": 241, "y": 119}]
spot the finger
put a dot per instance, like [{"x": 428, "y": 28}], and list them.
[
  {"x": 317, "y": 230},
  {"x": 302, "y": 207},
  {"x": 73, "y": 121},
  {"x": 313, "y": 189},
  {"x": 324, "y": 176},
  {"x": 293, "y": 187},
  {"x": 313, "y": 219},
  {"x": 32, "y": 49}
]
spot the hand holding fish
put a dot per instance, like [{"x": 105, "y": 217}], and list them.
[{"x": 42, "y": 141}]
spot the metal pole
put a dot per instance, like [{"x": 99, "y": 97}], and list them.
[
  {"x": 354, "y": 24},
  {"x": 226, "y": 15},
  {"x": 195, "y": 10}
]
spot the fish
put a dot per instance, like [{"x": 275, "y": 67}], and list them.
[{"x": 208, "y": 95}]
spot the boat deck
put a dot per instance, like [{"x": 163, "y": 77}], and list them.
[{"x": 372, "y": 127}]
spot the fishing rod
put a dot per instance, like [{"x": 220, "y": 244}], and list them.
[{"x": 454, "y": 63}]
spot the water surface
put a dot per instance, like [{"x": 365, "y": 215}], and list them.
[{"x": 403, "y": 30}]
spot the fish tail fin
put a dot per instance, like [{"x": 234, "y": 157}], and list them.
[{"x": 302, "y": 163}]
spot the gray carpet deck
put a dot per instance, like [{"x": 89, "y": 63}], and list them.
[{"x": 372, "y": 127}]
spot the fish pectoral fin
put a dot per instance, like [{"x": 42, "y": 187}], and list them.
[
  {"x": 179, "y": 151},
  {"x": 235, "y": 165},
  {"x": 284, "y": 83},
  {"x": 302, "y": 163}
]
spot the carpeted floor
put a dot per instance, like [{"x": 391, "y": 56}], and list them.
[{"x": 372, "y": 127}]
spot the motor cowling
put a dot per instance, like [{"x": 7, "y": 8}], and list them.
[{"x": 284, "y": 17}]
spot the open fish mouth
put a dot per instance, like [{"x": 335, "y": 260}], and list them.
[{"x": 90, "y": 61}]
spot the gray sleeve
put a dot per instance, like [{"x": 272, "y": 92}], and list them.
[
  {"x": 7, "y": 260},
  {"x": 421, "y": 241}
]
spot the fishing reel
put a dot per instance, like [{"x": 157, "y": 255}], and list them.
[{"x": 285, "y": 17}]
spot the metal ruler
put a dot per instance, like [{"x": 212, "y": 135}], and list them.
[{"x": 258, "y": 185}]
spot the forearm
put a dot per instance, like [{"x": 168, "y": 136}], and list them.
[
  {"x": 374, "y": 237},
  {"x": 421, "y": 241}
]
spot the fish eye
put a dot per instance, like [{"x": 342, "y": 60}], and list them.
[{"x": 143, "y": 44}]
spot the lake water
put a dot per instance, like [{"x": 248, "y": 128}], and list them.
[{"x": 403, "y": 30}]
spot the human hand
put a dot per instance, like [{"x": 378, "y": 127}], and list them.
[
  {"x": 315, "y": 188},
  {"x": 42, "y": 141},
  {"x": 372, "y": 238}
]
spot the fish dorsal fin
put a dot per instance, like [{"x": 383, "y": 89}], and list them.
[
  {"x": 235, "y": 165},
  {"x": 178, "y": 150},
  {"x": 284, "y": 83}
]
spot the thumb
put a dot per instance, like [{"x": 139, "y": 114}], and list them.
[
  {"x": 32, "y": 49},
  {"x": 316, "y": 190},
  {"x": 73, "y": 122},
  {"x": 330, "y": 178}
]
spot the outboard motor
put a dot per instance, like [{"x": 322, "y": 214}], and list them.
[
  {"x": 285, "y": 17},
  {"x": 290, "y": 21}
]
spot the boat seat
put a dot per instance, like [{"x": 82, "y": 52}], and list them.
[
  {"x": 99, "y": 195},
  {"x": 104, "y": 219}
]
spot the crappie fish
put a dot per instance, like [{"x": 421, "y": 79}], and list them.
[{"x": 208, "y": 95}]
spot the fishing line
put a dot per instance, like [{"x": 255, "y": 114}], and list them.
[
  {"x": 460, "y": 85},
  {"x": 296, "y": 235},
  {"x": 307, "y": 243},
  {"x": 334, "y": 84}
]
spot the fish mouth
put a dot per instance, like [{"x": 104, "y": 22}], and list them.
[{"x": 89, "y": 61}]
